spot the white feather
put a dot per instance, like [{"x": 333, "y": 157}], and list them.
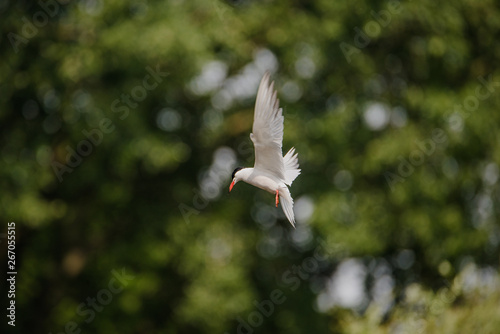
[
  {"x": 292, "y": 169},
  {"x": 267, "y": 131},
  {"x": 272, "y": 172},
  {"x": 286, "y": 201}
]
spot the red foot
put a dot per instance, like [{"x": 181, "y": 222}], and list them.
[{"x": 277, "y": 197}]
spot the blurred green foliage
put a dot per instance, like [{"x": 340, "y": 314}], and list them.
[{"x": 121, "y": 122}]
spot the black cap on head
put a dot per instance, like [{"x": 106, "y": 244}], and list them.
[{"x": 234, "y": 171}]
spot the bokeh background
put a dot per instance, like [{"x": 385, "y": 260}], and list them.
[{"x": 121, "y": 122}]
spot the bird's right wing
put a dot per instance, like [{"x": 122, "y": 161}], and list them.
[{"x": 267, "y": 130}]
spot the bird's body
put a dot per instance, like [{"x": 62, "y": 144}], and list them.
[
  {"x": 260, "y": 179},
  {"x": 272, "y": 172}
]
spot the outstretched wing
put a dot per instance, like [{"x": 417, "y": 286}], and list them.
[{"x": 267, "y": 131}]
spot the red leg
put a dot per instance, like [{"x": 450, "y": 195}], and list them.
[{"x": 277, "y": 197}]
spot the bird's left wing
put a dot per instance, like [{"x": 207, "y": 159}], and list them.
[{"x": 267, "y": 131}]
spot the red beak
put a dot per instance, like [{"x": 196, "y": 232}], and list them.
[{"x": 231, "y": 186}]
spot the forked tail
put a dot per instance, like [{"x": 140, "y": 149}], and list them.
[
  {"x": 292, "y": 169},
  {"x": 286, "y": 201}
]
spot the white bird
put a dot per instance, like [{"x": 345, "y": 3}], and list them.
[{"x": 272, "y": 172}]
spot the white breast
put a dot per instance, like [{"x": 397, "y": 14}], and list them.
[{"x": 263, "y": 182}]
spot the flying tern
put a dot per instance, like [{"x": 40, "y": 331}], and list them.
[{"x": 272, "y": 171}]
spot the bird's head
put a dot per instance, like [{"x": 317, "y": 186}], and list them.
[{"x": 235, "y": 177}]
